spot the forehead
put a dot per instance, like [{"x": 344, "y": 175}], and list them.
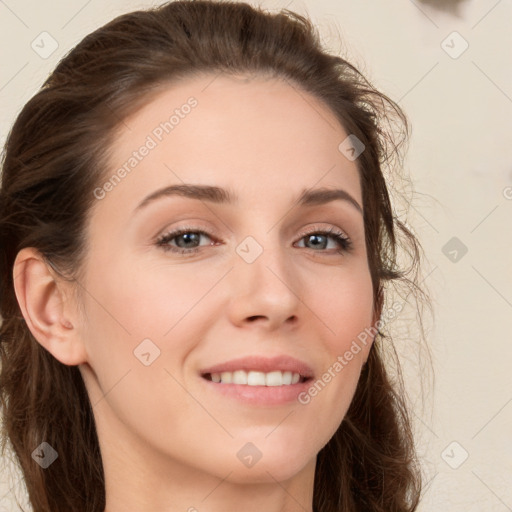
[{"x": 242, "y": 133}]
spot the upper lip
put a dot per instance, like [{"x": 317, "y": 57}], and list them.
[{"x": 262, "y": 364}]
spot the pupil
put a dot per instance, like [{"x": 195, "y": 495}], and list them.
[
  {"x": 316, "y": 239},
  {"x": 189, "y": 237}
]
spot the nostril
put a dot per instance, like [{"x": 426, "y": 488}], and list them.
[{"x": 252, "y": 318}]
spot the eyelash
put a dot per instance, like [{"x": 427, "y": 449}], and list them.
[{"x": 335, "y": 234}]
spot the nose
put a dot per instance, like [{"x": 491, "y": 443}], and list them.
[{"x": 264, "y": 292}]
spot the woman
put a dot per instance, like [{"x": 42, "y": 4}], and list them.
[{"x": 196, "y": 246}]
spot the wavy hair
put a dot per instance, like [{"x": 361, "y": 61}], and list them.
[{"x": 56, "y": 154}]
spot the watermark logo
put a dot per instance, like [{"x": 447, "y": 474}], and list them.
[
  {"x": 454, "y": 250},
  {"x": 351, "y": 147},
  {"x": 454, "y": 455},
  {"x": 44, "y": 45},
  {"x": 152, "y": 140},
  {"x": 454, "y": 45},
  {"x": 363, "y": 338},
  {"x": 249, "y": 455},
  {"x": 146, "y": 352},
  {"x": 249, "y": 249},
  {"x": 45, "y": 455}
]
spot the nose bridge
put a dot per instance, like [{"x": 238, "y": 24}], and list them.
[
  {"x": 264, "y": 283},
  {"x": 264, "y": 259}
]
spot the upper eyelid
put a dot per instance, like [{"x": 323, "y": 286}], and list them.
[
  {"x": 175, "y": 232},
  {"x": 345, "y": 243}
]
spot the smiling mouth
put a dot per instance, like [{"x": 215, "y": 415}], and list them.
[{"x": 256, "y": 378}]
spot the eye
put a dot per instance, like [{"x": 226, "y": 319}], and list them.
[
  {"x": 319, "y": 238},
  {"x": 186, "y": 240}
]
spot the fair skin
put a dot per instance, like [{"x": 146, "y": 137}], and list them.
[{"x": 168, "y": 439}]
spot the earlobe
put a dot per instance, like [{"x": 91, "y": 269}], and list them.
[{"x": 42, "y": 296}]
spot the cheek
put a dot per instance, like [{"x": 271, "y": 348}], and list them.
[
  {"x": 343, "y": 308},
  {"x": 137, "y": 315},
  {"x": 142, "y": 302},
  {"x": 130, "y": 303},
  {"x": 343, "y": 303},
  {"x": 139, "y": 332}
]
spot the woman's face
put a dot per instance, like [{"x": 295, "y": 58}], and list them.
[{"x": 252, "y": 277}]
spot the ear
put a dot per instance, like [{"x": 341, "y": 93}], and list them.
[{"x": 44, "y": 300}]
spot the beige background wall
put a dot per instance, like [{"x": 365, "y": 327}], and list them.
[{"x": 452, "y": 73}]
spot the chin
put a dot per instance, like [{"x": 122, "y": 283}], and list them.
[
  {"x": 274, "y": 461},
  {"x": 269, "y": 472}
]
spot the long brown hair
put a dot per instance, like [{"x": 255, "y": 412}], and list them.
[{"x": 55, "y": 156}]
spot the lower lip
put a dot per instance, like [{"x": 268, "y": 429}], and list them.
[{"x": 260, "y": 395}]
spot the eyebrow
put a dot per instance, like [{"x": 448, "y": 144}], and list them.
[{"x": 220, "y": 195}]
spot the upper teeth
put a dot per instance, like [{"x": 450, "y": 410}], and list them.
[{"x": 251, "y": 378}]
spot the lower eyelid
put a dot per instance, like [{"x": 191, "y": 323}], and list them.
[
  {"x": 344, "y": 242},
  {"x": 168, "y": 237}
]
